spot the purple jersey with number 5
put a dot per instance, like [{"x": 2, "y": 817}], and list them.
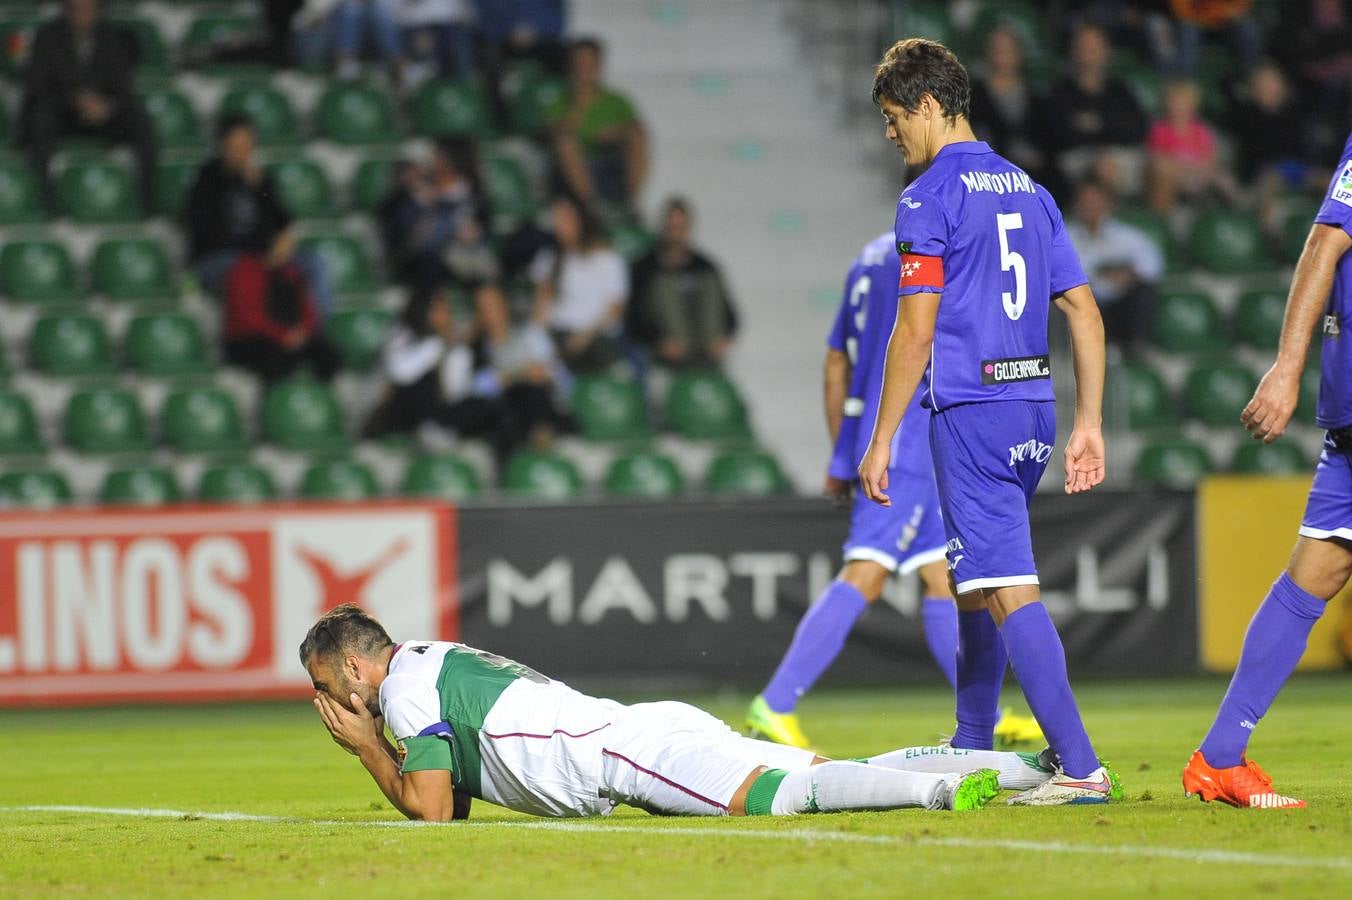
[
  {"x": 978, "y": 231},
  {"x": 868, "y": 310},
  {"x": 1335, "y": 377}
]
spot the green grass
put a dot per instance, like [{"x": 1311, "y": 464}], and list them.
[{"x": 277, "y": 760}]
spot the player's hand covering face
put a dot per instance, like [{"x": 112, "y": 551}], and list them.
[
  {"x": 353, "y": 731},
  {"x": 1084, "y": 460}
]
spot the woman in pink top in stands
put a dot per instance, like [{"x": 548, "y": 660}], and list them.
[{"x": 1183, "y": 152}]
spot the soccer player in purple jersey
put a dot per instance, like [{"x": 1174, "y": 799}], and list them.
[
  {"x": 984, "y": 253},
  {"x": 1321, "y": 292}
]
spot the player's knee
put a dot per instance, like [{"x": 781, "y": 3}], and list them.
[
  {"x": 1321, "y": 567},
  {"x": 868, "y": 578}
]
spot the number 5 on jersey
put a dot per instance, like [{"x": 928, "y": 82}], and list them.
[{"x": 1011, "y": 259}]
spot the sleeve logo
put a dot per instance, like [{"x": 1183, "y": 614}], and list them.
[
  {"x": 923, "y": 271},
  {"x": 1342, "y": 186},
  {"x": 911, "y": 204}
]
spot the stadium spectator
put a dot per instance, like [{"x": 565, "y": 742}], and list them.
[
  {"x": 525, "y": 372},
  {"x": 1003, "y": 104},
  {"x": 601, "y": 146},
  {"x": 434, "y": 222},
  {"x": 234, "y": 208},
  {"x": 680, "y": 307},
  {"x": 523, "y": 29},
  {"x": 273, "y": 42},
  {"x": 1314, "y": 41},
  {"x": 1091, "y": 114},
  {"x": 438, "y": 38},
  {"x": 1267, "y": 126},
  {"x": 581, "y": 287},
  {"x": 1183, "y": 155},
  {"x": 347, "y": 29},
  {"x": 271, "y": 323},
  {"x": 1177, "y": 32},
  {"x": 79, "y": 81},
  {"x": 1124, "y": 266},
  {"x": 431, "y": 364}
]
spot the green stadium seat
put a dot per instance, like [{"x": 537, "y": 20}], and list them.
[
  {"x": 1148, "y": 401},
  {"x": 1145, "y": 81},
  {"x": 173, "y": 182},
  {"x": 302, "y": 414},
  {"x": 202, "y": 420},
  {"x": 166, "y": 345},
  {"x": 609, "y": 409},
  {"x": 1281, "y": 458},
  {"x": 69, "y": 344},
  {"x": 443, "y": 477},
  {"x": 359, "y": 335},
  {"x": 1215, "y": 394},
  {"x": 542, "y": 476},
  {"x": 631, "y": 241},
  {"x": 1157, "y": 229},
  {"x": 38, "y": 489},
  {"x": 268, "y": 108},
  {"x": 1258, "y": 317},
  {"x": 338, "y": 479},
  {"x": 139, "y": 486},
  {"x": 1295, "y": 229},
  {"x": 706, "y": 405},
  {"x": 644, "y": 475},
  {"x": 216, "y": 29},
  {"x": 349, "y": 268},
  {"x": 746, "y": 473},
  {"x": 1229, "y": 243},
  {"x": 152, "y": 53},
  {"x": 237, "y": 483},
  {"x": 1174, "y": 464},
  {"x": 508, "y": 188},
  {"x": 20, "y": 197},
  {"x": 445, "y": 107},
  {"x": 96, "y": 193},
  {"x": 18, "y": 426},
  {"x": 304, "y": 188},
  {"x": 371, "y": 183},
  {"x": 356, "y": 114},
  {"x": 37, "y": 270},
  {"x": 1187, "y": 322},
  {"x": 532, "y": 101},
  {"x": 132, "y": 269},
  {"x": 174, "y": 118},
  {"x": 105, "y": 420}
]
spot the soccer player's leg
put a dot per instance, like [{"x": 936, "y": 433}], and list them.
[
  {"x": 920, "y": 548},
  {"x": 1275, "y": 641},
  {"x": 820, "y": 636},
  {"x": 1017, "y": 771}
]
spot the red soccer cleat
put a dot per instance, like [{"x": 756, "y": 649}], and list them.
[{"x": 1246, "y": 786}]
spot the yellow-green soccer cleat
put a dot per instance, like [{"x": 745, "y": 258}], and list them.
[
  {"x": 969, "y": 790},
  {"x": 782, "y": 728},
  {"x": 1016, "y": 731}
]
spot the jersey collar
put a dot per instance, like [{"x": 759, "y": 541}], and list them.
[{"x": 962, "y": 147}]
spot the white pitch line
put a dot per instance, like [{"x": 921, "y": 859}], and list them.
[{"x": 799, "y": 835}]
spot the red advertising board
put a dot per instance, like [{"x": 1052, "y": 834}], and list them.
[{"x": 208, "y": 602}]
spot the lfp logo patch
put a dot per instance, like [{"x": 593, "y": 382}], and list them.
[{"x": 1342, "y": 187}]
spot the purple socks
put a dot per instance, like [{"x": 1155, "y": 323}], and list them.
[
  {"x": 1273, "y": 645},
  {"x": 940, "y": 616},
  {"x": 979, "y": 671},
  {"x": 1039, "y": 662},
  {"x": 816, "y": 644}
]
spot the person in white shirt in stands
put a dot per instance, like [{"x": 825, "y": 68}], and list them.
[
  {"x": 1123, "y": 264},
  {"x": 581, "y": 288}
]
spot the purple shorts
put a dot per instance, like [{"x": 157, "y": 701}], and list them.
[
  {"x": 904, "y": 536},
  {"x": 1328, "y": 512},
  {"x": 988, "y": 460}
]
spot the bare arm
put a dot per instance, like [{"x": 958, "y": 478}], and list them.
[
  {"x": 908, "y": 353},
  {"x": 1084, "y": 451},
  {"x": 636, "y": 158},
  {"x": 1273, "y": 404},
  {"x": 425, "y": 795},
  {"x": 568, "y": 149},
  {"x": 835, "y": 387}
]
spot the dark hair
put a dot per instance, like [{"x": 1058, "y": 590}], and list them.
[
  {"x": 344, "y": 629},
  {"x": 676, "y": 203},
  {"x": 228, "y": 122},
  {"x": 914, "y": 67},
  {"x": 418, "y": 309},
  {"x": 589, "y": 43}
]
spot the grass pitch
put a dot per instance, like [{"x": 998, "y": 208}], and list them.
[{"x": 328, "y": 834}]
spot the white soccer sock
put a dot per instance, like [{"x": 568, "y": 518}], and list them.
[
  {"x": 1015, "y": 772},
  {"x": 838, "y": 786}
]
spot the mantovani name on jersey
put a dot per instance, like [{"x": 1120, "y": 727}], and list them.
[{"x": 998, "y": 182}]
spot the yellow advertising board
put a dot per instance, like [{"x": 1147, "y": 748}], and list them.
[{"x": 1246, "y": 528}]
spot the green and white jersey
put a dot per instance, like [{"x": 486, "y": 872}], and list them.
[{"x": 507, "y": 734}]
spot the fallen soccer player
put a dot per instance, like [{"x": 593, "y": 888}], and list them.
[{"x": 468, "y": 724}]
